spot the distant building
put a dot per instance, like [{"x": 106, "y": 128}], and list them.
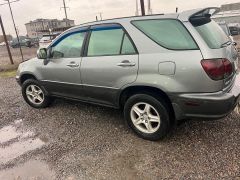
[
  {"x": 230, "y": 13},
  {"x": 40, "y": 27}
]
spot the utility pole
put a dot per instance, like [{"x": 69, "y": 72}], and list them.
[
  {"x": 142, "y": 7},
  {"x": 65, "y": 10},
  {"x": 6, "y": 41},
  {"x": 149, "y": 7},
  {"x": 176, "y": 9},
  {"x": 137, "y": 8},
  {"x": 9, "y": 4},
  {"x": 100, "y": 15}
]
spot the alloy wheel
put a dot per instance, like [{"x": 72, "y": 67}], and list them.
[
  {"x": 145, "y": 117},
  {"x": 35, "y": 94}
]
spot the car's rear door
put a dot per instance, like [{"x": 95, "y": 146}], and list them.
[{"x": 110, "y": 62}]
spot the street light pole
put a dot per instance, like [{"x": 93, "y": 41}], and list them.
[
  {"x": 6, "y": 41},
  {"x": 15, "y": 28}
]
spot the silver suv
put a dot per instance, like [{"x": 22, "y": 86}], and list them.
[{"x": 159, "y": 69}]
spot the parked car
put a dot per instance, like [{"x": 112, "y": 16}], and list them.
[
  {"x": 46, "y": 40},
  {"x": 226, "y": 29},
  {"x": 158, "y": 69},
  {"x": 235, "y": 30},
  {"x": 2, "y": 44},
  {"x": 23, "y": 41},
  {"x": 34, "y": 42}
]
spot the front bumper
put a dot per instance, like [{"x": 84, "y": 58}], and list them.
[
  {"x": 206, "y": 105},
  {"x": 18, "y": 79}
]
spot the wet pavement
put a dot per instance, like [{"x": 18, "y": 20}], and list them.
[{"x": 72, "y": 140}]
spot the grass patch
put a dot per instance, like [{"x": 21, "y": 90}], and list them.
[
  {"x": 11, "y": 73},
  {"x": 8, "y": 67}
]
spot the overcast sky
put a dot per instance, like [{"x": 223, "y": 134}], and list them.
[{"x": 85, "y": 10}]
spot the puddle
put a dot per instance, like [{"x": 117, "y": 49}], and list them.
[
  {"x": 35, "y": 170},
  {"x": 16, "y": 142},
  {"x": 8, "y": 133},
  {"x": 19, "y": 148}
]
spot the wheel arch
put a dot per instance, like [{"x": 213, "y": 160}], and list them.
[
  {"x": 26, "y": 76},
  {"x": 153, "y": 91}
]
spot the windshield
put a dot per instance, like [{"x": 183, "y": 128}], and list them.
[
  {"x": 46, "y": 38},
  {"x": 213, "y": 34}
]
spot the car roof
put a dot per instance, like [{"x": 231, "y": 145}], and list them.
[
  {"x": 183, "y": 16},
  {"x": 130, "y": 18}
]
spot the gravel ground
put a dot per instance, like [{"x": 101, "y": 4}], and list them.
[{"x": 72, "y": 140}]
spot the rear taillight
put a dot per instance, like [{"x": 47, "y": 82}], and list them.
[
  {"x": 228, "y": 68},
  {"x": 217, "y": 69}
]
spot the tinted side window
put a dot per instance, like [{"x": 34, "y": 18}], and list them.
[
  {"x": 69, "y": 47},
  {"x": 105, "y": 42},
  {"x": 127, "y": 46},
  {"x": 168, "y": 33}
]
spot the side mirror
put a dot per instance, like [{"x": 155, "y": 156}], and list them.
[{"x": 42, "y": 53}]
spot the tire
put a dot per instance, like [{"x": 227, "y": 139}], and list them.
[
  {"x": 42, "y": 100},
  {"x": 146, "y": 125}
]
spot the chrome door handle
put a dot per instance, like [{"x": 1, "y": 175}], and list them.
[
  {"x": 72, "y": 65},
  {"x": 126, "y": 63}
]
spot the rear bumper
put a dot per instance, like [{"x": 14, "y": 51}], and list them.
[{"x": 206, "y": 105}]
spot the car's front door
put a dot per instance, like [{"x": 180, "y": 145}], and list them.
[
  {"x": 61, "y": 74},
  {"x": 110, "y": 62}
]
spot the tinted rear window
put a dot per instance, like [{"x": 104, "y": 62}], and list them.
[
  {"x": 169, "y": 33},
  {"x": 225, "y": 29},
  {"x": 212, "y": 34}
]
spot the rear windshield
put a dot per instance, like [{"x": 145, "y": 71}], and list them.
[
  {"x": 213, "y": 35},
  {"x": 169, "y": 33},
  {"x": 225, "y": 29}
]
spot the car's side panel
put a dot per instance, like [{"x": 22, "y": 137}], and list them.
[
  {"x": 189, "y": 75},
  {"x": 102, "y": 77}
]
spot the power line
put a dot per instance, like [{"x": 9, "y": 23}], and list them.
[{"x": 10, "y": 2}]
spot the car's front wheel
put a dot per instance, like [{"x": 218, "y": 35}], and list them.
[
  {"x": 34, "y": 94},
  {"x": 147, "y": 116}
]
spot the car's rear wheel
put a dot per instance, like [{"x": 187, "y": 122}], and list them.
[
  {"x": 147, "y": 116},
  {"x": 34, "y": 94}
]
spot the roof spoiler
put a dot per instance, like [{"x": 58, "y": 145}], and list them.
[
  {"x": 203, "y": 17},
  {"x": 199, "y": 17}
]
